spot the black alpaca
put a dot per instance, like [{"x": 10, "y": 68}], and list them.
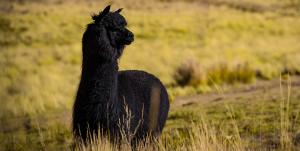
[{"x": 106, "y": 96}]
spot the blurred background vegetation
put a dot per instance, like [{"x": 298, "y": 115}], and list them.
[{"x": 193, "y": 46}]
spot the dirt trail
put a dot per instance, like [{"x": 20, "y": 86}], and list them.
[{"x": 259, "y": 89}]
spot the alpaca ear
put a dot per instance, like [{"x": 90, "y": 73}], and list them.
[
  {"x": 119, "y": 10},
  {"x": 106, "y": 10},
  {"x": 98, "y": 18}
]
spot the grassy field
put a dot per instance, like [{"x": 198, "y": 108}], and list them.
[{"x": 194, "y": 47}]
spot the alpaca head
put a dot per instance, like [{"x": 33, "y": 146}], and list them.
[{"x": 115, "y": 26}]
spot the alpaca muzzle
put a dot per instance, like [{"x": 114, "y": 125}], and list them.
[{"x": 129, "y": 38}]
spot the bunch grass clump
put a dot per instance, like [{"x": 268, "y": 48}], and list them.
[
  {"x": 224, "y": 73},
  {"x": 191, "y": 73}
]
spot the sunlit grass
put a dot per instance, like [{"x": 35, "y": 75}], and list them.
[{"x": 263, "y": 121}]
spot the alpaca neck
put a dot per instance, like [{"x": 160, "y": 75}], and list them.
[
  {"x": 92, "y": 66},
  {"x": 105, "y": 76}
]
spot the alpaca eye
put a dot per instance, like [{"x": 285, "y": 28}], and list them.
[{"x": 111, "y": 28}]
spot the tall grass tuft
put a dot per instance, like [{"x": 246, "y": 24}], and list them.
[
  {"x": 201, "y": 136},
  {"x": 198, "y": 136},
  {"x": 285, "y": 124}
]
